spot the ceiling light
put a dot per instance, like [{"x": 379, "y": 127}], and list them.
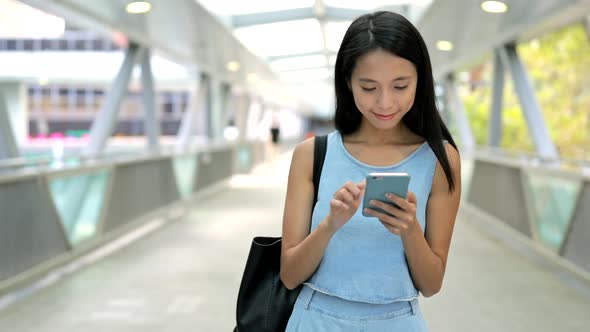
[
  {"x": 494, "y": 7},
  {"x": 139, "y": 7},
  {"x": 233, "y": 66},
  {"x": 444, "y": 45},
  {"x": 43, "y": 81}
]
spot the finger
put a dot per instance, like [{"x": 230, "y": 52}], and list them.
[
  {"x": 344, "y": 195},
  {"x": 353, "y": 189},
  {"x": 401, "y": 202},
  {"x": 336, "y": 204},
  {"x": 390, "y": 208},
  {"x": 384, "y": 206},
  {"x": 393, "y": 222},
  {"x": 412, "y": 198},
  {"x": 392, "y": 229},
  {"x": 361, "y": 185},
  {"x": 385, "y": 218},
  {"x": 396, "y": 211}
]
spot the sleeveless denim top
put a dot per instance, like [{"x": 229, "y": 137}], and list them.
[{"x": 363, "y": 261}]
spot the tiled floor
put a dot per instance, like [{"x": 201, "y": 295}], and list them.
[{"x": 184, "y": 276}]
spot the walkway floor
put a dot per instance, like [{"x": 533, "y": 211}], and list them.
[{"x": 184, "y": 276}]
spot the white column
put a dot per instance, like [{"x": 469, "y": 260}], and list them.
[
  {"x": 216, "y": 111},
  {"x": 151, "y": 119},
  {"x": 528, "y": 102},
  {"x": 194, "y": 120},
  {"x": 242, "y": 107},
  {"x": 458, "y": 110},
  {"x": 102, "y": 126},
  {"x": 495, "y": 127},
  {"x": 8, "y": 146},
  {"x": 17, "y": 109}
]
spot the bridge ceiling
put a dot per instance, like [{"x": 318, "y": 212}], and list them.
[
  {"x": 180, "y": 29},
  {"x": 473, "y": 32},
  {"x": 295, "y": 41}
]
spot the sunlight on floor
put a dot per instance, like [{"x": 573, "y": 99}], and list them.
[{"x": 271, "y": 174}]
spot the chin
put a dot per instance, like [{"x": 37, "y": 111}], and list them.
[{"x": 384, "y": 125}]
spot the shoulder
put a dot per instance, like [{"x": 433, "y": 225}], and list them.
[
  {"x": 440, "y": 181},
  {"x": 452, "y": 155},
  {"x": 302, "y": 160},
  {"x": 304, "y": 149}
]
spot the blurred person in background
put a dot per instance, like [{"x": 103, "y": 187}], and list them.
[
  {"x": 275, "y": 130},
  {"x": 275, "y": 136},
  {"x": 366, "y": 273}
]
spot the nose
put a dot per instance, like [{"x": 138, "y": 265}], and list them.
[{"x": 385, "y": 100}]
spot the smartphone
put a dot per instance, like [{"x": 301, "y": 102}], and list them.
[{"x": 378, "y": 184}]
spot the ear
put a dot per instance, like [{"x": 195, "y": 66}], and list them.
[{"x": 349, "y": 85}]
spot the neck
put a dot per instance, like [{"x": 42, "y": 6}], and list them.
[{"x": 373, "y": 136}]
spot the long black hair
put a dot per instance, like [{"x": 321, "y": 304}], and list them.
[{"x": 393, "y": 33}]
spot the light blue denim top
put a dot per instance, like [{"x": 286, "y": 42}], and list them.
[{"x": 364, "y": 261}]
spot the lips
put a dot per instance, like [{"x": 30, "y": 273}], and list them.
[{"x": 384, "y": 116}]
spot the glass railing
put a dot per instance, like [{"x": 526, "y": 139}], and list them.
[
  {"x": 244, "y": 158},
  {"x": 79, "y": 200},
  {"x": 552, "y": 201},
  {"x": 36, "y": 158},
  {"x": 551, "y": 188},
  {"x": 532, "y": 159},
  {"x": 466, "y": 172},
  {"x": 184, "y": 172}
]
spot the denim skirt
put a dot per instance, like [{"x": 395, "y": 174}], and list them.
[{"x": 318, "y": 312}]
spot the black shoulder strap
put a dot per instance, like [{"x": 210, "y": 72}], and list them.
[{"x": 319, "y": 154}]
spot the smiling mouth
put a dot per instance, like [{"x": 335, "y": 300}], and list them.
[{"x": 384, "y": 117}]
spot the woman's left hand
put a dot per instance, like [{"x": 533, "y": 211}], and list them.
[{"x": 403, "y": 218}]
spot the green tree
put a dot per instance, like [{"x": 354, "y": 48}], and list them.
[{"x": 558, "y": 65}]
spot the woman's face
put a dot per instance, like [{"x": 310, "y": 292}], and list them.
[{"x": 384, "y": 87}]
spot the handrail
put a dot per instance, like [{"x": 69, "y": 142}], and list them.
[
  {"x": 44, "y": 161},
  {"x": 568, "y": 168},
  {"x": 532, "y": 158}
]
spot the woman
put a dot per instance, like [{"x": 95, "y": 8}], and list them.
[{"x": 365, "y": 273}]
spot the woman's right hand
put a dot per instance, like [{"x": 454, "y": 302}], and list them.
[{"x": 344, "y": 204}]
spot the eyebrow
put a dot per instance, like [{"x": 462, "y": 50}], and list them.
[{"x": 401, "y": 78}]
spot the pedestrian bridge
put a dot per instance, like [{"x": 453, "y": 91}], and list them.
[{"x": 158, "y": 243}]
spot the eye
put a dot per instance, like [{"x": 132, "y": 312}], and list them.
[
  {"x": 367, "y": 89},
  {"x": 401, "y": 87}
]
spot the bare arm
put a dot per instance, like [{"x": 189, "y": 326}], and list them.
[
  {"x": 301, "y": 253},
  {"x": 427, "y": 254}
]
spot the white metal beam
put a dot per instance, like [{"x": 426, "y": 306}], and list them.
[
  {"x": 457, "y": 109},
  {"x": 495, "y": 129},
  {"x": 239, "y": 21},
  {"x": 528, "y": 102},
  {"x": 343, "y": 14},
  {"x": 102, "y": 127},
  {"x": 318, "y": 11},
  {"x": 194, "y": 115},
  {"x": 294, "y": 55},
  {"x": 151, "y": 120},
  {"x": 8, "y": 146}
]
